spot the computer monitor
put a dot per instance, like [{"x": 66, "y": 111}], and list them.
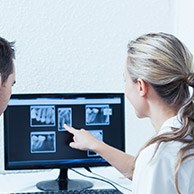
[{"x": 35, "y": 137}]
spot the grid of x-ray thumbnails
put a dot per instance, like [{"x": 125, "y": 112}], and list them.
[{"x": 42, "y": 116}]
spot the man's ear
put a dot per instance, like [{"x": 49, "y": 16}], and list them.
[{"x": 143, "y": 87}]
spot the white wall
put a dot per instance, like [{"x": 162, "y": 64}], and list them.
[
  {"x": 80, "y": 46},
  {"x": 185, "y": 22}
]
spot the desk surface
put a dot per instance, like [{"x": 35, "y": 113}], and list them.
[{"x": 26, "y": 182}]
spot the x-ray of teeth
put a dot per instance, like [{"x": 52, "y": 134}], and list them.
[
  {"x": 42, "y": 142},
  {"x": 98, "y": 114},
  {"x": 64, "y": 117},
  {"x": 98, "y": 134},
  {"x": 42, "y": 116}
]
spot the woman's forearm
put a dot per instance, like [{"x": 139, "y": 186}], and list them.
[
  {"x": 117, "y": 158},
  {"x": 84, "y": 140}
]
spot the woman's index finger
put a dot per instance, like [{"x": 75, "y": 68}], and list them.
[{"x": 69, "y": 129}]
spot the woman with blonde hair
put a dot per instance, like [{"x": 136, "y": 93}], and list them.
[{"x": 159, "y": 84}]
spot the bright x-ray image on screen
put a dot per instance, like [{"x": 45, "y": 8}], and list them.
[
  {"x": 43, "y": 142},
  {"x": 42, "y": 116},
  {"x": 98, "y": 134},
  {"x": 64, "y": 117},
  {"x": 98, "y": 114}
]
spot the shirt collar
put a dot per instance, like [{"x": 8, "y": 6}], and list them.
[{"x": 168, "y": 124}]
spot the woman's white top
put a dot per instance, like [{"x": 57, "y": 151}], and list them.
[{"x": 157, "y": 175}]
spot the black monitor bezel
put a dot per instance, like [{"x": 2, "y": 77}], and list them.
[{"x": 61, "y": 95}]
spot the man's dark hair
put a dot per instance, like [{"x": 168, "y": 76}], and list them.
[{"x": 7, "y": 54}]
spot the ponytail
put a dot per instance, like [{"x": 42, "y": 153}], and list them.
[{"x": 186, "y": 114}]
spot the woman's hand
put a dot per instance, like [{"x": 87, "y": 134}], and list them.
[{"x": 82, "y": 139}]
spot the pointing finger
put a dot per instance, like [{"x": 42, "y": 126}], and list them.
[{"x": 69, "y": 129}]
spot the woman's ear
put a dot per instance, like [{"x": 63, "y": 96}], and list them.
[{"x": 143, "y": 87}]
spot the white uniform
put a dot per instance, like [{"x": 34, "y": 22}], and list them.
[{"x": 157, "y": 175}]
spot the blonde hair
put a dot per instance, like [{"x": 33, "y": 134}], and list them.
[{"x": 166, "y": 64}]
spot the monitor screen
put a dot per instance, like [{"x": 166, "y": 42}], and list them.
[{"x": 34, "y": 133}]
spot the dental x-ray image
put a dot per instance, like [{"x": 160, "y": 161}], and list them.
[
  {"x": 98, "y": 114},
  {"x": 41, "y": 116},
  {"x": 42, "y": 142},
  {"x": 98, "y": 134},
  {"x": 64, "y": 117}
]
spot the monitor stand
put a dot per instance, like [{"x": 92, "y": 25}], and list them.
[{"x": 63, "y": 183}]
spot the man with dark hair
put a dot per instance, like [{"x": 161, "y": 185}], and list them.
[{"x": 7, "y": 72}]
